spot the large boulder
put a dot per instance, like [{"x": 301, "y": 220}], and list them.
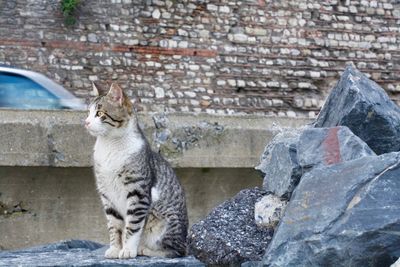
[
  {"x": 346, "y": 214},
  {"x": 83, "y": 253},
  {"x": 364, "y": 107},
  {"x": 326, "y": 146},
  {"x": 229, "y": 233},
  {"x": 280, "y": 165},
  {"x": 293, "y": 152}
]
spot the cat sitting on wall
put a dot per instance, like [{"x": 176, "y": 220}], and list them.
[{"x": 143, "y": 200}]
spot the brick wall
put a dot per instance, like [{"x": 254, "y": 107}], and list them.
[{"x": 225, "y": 56}]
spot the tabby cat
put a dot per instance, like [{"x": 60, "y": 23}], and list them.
[{"x": 143, "y": 200}]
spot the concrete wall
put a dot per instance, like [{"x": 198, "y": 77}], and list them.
[
  {"x": 45, "y": 204},
  {"x": 227, "y": 56},
  {"x": 58, "y": 138},
  {"x": 47, "y": 189}
]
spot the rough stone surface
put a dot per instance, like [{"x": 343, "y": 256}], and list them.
[
  {"x": 272, "y": 57},
  {"x": 347, "y": 214},
  {"x": 326, "y": 146},
  {"x": 269, "y": 210},
  {"x": 82, "y": 253},
  {"x": 280, "y": 165},
  {"x": 229, "y": 233},
  {"x": 58, "y": 138},
  {"x": 362, "y": 105}
]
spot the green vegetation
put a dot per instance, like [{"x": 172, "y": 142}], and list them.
[{"x": 68, "y": 8}]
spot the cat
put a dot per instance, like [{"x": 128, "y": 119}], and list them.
[{"x": 143, "y": 199}]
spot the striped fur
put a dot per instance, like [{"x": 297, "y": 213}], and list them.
[{"x": 143, "y": 200}]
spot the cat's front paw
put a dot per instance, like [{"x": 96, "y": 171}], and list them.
[
  {"x": 127, "y": 253},
  {"x": 112, "y": 253}
]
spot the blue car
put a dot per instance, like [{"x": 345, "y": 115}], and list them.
[{"x": 23, "y": 89}]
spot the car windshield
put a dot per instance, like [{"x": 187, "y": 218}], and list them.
[{"x": 17, "y": 91}]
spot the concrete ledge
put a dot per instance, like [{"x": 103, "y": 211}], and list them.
[{"x": 58, "y": 138}]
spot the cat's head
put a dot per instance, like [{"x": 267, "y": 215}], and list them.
[{"x": 108, "y": 113}]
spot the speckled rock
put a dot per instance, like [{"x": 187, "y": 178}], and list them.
[
  {"x": 82, "y": 253},
  {"x": 229, "y": 233}
]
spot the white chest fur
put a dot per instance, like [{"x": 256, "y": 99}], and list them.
[{"x": 110, "y": 156}]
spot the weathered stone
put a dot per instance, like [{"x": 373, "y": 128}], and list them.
[
  {"x": 263, "y": 42},
  {"x": 156, "y": 14},
  {"x": 92, "y": 38},
  {"x": 159, "y": 92},
  {"x": 58, "y": 139},
  {"x": 346, "y": 214},
  {"x": 239, "y": 37},
  {"x": 364, "y": 107},
  {"x": 82, "y": 253},
  {"x": 268, "y": 211},
  {"x": 229, "y": 233},
  {"x": 326, "y": 146},
  {"x": 280, "y": 165}
]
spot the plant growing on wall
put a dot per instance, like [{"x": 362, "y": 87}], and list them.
[{"x": 68, "y": 8}]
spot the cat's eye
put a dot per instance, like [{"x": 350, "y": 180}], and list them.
[{"x": 99, "y": 113}]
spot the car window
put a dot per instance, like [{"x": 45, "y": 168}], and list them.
[{"x": 17, "y": 91}]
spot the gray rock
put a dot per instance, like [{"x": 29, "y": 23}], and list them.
[
  {"x": 326, "y": 146},
  {"x": 229, "y": 234},
  {"x": 92, "y": 38},
  {"x": 82, "y": 253},
  {"x": 280, "y": 165},
  {"x": 346, "y": 214},
  {"x": 269, "y": 210},
  {"x": 161, "y": 134},
  {"x": 364, "y": 107}
]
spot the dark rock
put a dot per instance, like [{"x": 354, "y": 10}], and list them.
[
  {"x": 364, "y": 107},
  {"x": 346, "y": 214},
  {"x": 82, "y": 253},
  {"x": 229, "y": 235},
  {"x": 280, "y": 165},
  {"x": 326, "y": 146}
]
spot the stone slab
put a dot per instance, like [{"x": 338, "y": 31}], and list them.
[
  {"x": 58, "y": 138},
  {"x": 83, "y": 253}
]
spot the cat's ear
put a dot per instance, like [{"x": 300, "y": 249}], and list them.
[
  {"x": 116, "y": 94},
  {"x": 95, "y": 91}
]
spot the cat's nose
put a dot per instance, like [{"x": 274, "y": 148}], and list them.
[{"x": 87, "y": 123}]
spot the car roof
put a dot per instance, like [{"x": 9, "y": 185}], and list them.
[{"x": 67, "y": 98}]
